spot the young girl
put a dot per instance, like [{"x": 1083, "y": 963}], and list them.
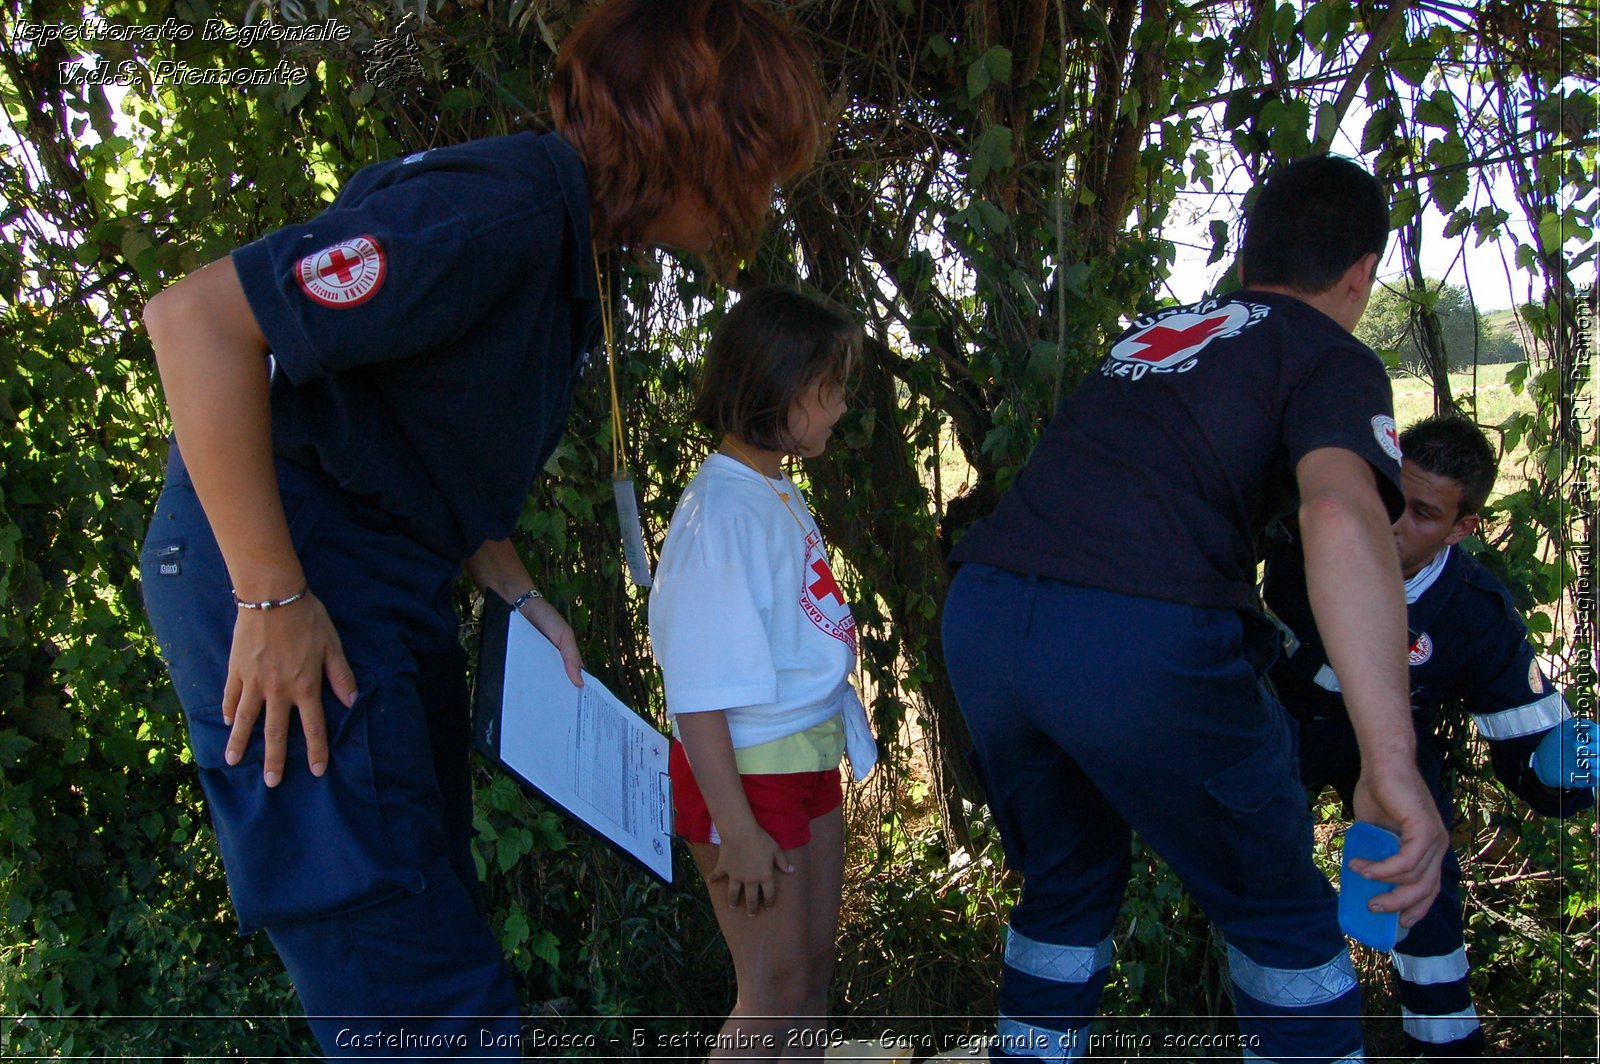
[{"x": 757, "y": 645}]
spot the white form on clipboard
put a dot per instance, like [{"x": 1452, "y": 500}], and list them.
[{"x": 580, "y": 748}]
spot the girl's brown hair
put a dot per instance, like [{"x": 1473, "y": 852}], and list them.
[
  {"x": 772, "y": 345},
  {"x": 662, "y": 97}
]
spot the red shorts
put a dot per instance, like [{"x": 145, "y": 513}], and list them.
[{"x": 784, "y": 803}]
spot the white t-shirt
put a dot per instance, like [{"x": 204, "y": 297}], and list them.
[{"x": 745, "y": 615}]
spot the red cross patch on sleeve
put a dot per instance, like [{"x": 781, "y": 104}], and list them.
[{"x": 343, "y": 274}]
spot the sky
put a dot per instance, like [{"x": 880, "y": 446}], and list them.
[{"x": 1485, "y": 270}]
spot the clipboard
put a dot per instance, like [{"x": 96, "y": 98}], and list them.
[{"x": 580, "y": 749}]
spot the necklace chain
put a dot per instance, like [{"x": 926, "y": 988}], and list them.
[{"x": 783, "y": 496}]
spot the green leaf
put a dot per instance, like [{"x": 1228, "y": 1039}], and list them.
[
  {"x": 1240, "y": 108},
  {"x": 994, "y": 219},
  {"x": 1285, "y": 125},
  {"x": 1438, "y": 110},
  {"x": 294, "y": 95},
  {"x": 460, "y": 99},
  {"x": 1283, "y": 26},
  {"x": 1378, "y": 128},
  {"x": 1412, "y": 60},
  {"x": 1327, "y": 123},
  {"x": 992, "y": 153},
  {"x": 134, "y": 242},
  {"x": 1487, "y": 221},
  {"x": 547, "y": 947},
  {"x": 1044, "y": 362},
  {"x": 998, "y": 60},
  {"x": 515, "y": 930},
  {"x": 1076, "y": 278},
  {"x": 1449, "y": 185},
  {"x": 1219, "y": 241},
  {"x": 1550, "y": 231},
  {"x": 977, "y": 78},
  {"x": 1314, "y": 27}
]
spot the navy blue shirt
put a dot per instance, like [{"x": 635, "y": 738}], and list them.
[
  {"x": 1469, "y": 654},
  {"x": 1158, "y": 476},
  {"x": 428, "y": 328}
]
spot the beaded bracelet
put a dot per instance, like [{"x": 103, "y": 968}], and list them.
[
  {"x": 525, "y": 598},
  {"x": 270, "y": 604}
]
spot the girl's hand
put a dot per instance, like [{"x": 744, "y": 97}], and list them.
[
  {"x": 278, "y": 660},
  {"x": 747, "y": 862}
]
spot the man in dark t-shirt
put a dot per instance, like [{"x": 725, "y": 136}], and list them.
[
  {"x": 1103, "y": 641},
  {"x": 1469, "y": 655}
]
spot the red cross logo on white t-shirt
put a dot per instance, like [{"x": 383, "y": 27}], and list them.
[
  {"x": 821, "y": 598},
  {"x": 826, "y": 585}
]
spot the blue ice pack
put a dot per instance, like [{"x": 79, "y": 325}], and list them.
[
  {"x": 1369, "y": 843},
  {"x": 1566, "y": 756}
]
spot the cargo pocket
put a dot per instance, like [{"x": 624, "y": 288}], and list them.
[
  {"x": 310, "y": 847},
  {"x": 1265, "y": 825}
]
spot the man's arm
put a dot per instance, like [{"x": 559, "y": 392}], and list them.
[{"x": 1353, "y": 580}]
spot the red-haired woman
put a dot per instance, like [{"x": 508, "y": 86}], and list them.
[{"x": 360, "y": 405}]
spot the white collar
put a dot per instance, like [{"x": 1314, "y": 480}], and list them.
[{"x": 1417, "y": 585}]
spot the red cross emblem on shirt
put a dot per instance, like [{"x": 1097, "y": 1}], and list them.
[
  {"x": 825, "y": 585},
  {"x": 343, "y": 274},
  {"x": 1162, "y": 341},
  {"x": 339, "y": 265}
]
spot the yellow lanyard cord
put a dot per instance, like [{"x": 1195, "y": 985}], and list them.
[
  {"x": 618, "y": 463},
  {"x": 783, "y": 496}
]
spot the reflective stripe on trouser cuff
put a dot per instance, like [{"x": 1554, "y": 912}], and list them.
[
  {"x": 1018, "y": 1039},
  {"x": 1430, "y": 971},
  {"x": 1437, "y": 1030},
  {"x": 1356, "y": 1056},
  {"x": 1292, "y": 988},
  {"x": 1547, "y": 712},
  {"x": 1058, "y": 964}
]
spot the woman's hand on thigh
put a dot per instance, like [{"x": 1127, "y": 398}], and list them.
[{"x": 277, "y": 663}]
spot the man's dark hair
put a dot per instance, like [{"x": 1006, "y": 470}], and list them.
[
  {"x": 1311, "y": 221},
  {"x": 770, "y": 347},
  {"x": 1450, "y": 446}
]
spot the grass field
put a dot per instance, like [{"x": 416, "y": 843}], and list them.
[{"x": 1491, "y": 403}]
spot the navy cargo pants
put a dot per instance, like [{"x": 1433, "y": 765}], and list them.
[
  {"x": 364, "y": 878},
  {"x": 1093, "y": 713}
]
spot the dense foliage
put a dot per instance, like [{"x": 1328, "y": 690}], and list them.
[{"x": 1004, "y": 186}]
